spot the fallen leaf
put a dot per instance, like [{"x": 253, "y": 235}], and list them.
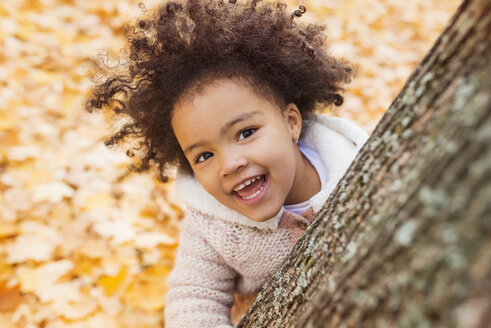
[
  {"x": 8, "y": 229},
  {"x": 36, "y": 246},
  {"x": 52, "y": 192},
  {"x": 151, "y": 239},
  {"x": 74, "y": 310},
  {"x": 110, "y": 284},
  {"x": 43, "y": 276},
  {"x": 147, "y": 288},
  {"x": 10, "y": 297}
]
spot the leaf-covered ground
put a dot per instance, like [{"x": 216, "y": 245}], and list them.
[{"x": 83, "y": 245}]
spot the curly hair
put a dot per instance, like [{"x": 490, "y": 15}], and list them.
[{"x": 183, "y": 45}]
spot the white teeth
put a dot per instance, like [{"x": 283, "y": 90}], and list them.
[
  {"x": 254, "y": 194},
  {"x": 246, "y": 183}
]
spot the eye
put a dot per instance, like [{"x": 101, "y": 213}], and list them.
[
  {"x": 246, "y": 133},
  {"x": 202, "y": 157}
]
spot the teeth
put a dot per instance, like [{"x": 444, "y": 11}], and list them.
[
  {"x": 254, "y": 194},
  {"x": 246, "y": 183}
]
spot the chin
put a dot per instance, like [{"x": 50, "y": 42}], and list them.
[{"x": 263, "y": 216}]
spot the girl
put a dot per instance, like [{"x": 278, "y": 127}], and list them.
[{"x": 225, "y": 92}]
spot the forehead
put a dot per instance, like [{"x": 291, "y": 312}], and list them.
[
  {"x": 219, "y": 104},
  {"x": 203, "y": 84},
  {"x": 226, "y": 97}
]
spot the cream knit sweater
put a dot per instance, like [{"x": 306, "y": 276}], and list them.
[{"x": 221, "y": 251}]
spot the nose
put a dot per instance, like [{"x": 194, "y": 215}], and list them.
[{"x": 232, "y": 163}]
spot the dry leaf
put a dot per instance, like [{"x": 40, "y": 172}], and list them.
[
  {"x": 74, "y": 309},
  {"x": 43, "y": 276},
  {"x": 10, "y": 297},
  {"x": 52, "y": 192},
  {"x": 146, "y": 289},
  {"x": 110, "y": 284},
  {"x": 38, "y": 246},
  {"x": 151, "y": 239}
]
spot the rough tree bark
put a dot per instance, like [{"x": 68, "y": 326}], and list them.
[{"x": 404, "y": 240}]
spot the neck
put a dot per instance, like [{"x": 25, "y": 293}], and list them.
[{"x": 306, "y": 182}]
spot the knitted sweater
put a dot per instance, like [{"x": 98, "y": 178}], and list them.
[{"x": 222, "y": 251}]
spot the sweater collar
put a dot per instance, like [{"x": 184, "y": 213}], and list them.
[{"x": 337, "y": 140}]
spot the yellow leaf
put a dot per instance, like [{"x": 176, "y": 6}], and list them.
[
  {"x": 53, "y": 192},
  {"x": 111, "y": 284},
  {"x": 148, "y": 288},
  {"x": 8, "y": 137},
  {"x": 25, "y": 31},
  {"x": 61, "y": 215},
  {"x": 63, "y": 37},
  {"x": 100, "y": 199},
  {"x": 6, "y": 319},
  {"x": 8, "y": 120},
  {"x": 42, "y": 278},
  {"x": 3, "y": 12},
  {"x": 36, "y": 246},
  {"x": 74, "y": 310},
  {"x": 84, "y": 266},
  {"x": 131, "y": 317},
  {"x": 8, "y": 229},
  {"x": 10, "y": 297},
  {"x": 32, "y": 5},
  {"x": 168, "y": 252},
  {"x": 96, "y": 320},
  {"x": 5, "y": 271},
  {"x": 70, "y": 99},
  {"x": 95, "y": 249},
  {"x": 44, "y": 77}
]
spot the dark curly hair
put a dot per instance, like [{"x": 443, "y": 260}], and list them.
[{"x": 183, "y": 45}]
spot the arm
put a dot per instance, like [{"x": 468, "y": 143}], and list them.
[{"x": 201, "y": 284}]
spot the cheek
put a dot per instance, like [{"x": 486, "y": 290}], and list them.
[
  {"x": 210, "y": 183},
  {"x": 280, "y": 159}
]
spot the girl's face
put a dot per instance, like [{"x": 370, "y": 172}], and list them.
[{"x": 242, "y": 148}]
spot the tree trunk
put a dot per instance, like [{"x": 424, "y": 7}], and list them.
[{"x": 404, "y": 240}]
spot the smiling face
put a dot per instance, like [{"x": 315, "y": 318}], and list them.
[{"x": 242, "y": 148}]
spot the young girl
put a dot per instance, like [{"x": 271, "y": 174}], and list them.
[{"x": 225, "y": 91}]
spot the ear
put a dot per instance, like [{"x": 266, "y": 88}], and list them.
[{"x": 294, "y": 120}]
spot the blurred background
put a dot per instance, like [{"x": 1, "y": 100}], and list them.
[{"x": 82, "y": 244}]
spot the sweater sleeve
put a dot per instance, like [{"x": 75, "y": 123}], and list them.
[{"x": 201, "y": 284}]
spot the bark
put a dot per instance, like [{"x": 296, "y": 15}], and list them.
[{"x": 404, "y": 240}]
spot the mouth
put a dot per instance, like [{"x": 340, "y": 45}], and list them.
[{"x": 251, "y": 190}]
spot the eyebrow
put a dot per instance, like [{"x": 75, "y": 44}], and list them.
[
  {"x": 224, "y": 129},
  {"x": 195, "y": 145},
  {"x": 240, "y": 118}
]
